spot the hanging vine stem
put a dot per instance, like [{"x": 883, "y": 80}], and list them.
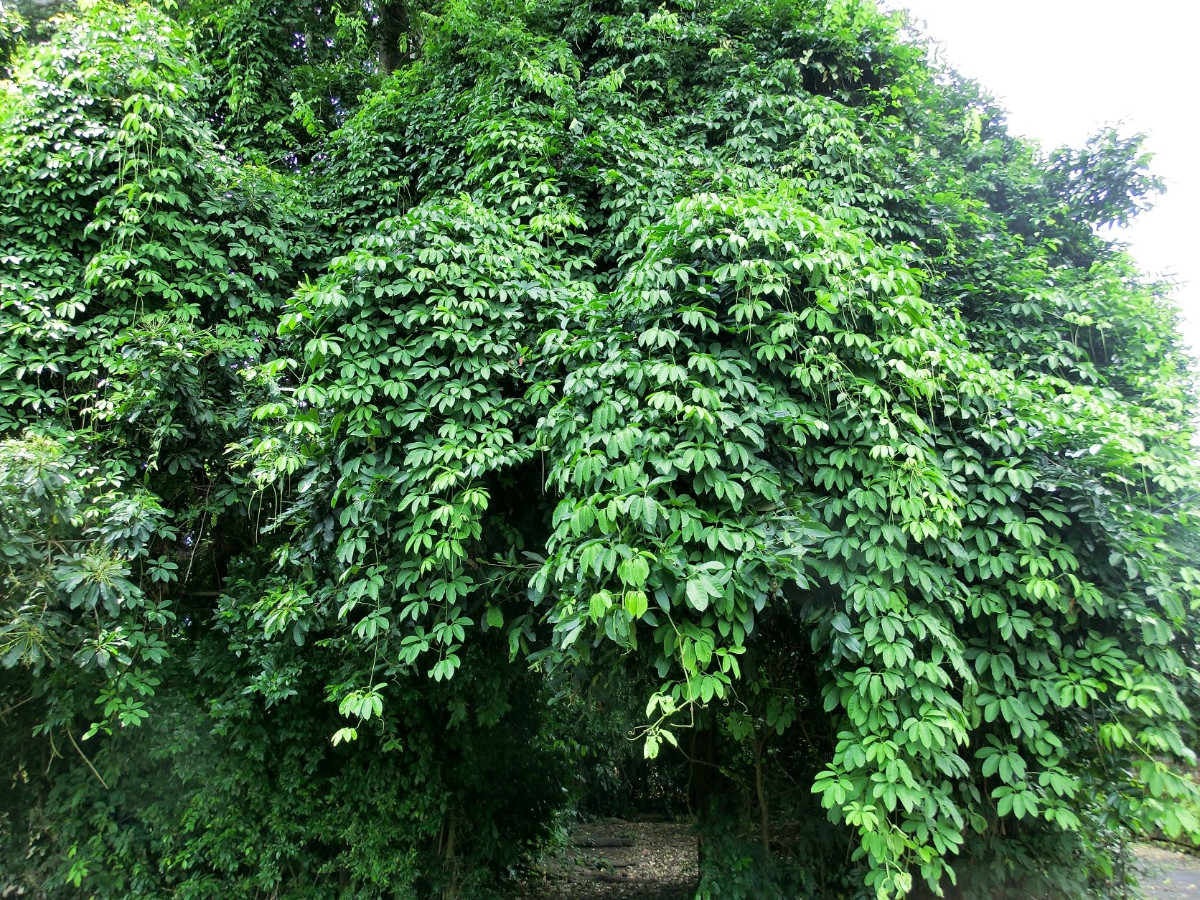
[{"x": 87, "y": 762}]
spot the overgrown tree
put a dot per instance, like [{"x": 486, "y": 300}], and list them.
[{"x": 366, "y": 366}]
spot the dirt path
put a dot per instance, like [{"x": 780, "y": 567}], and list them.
[
  {"x": 614, "y": 858},
  {"x": 1167, "y": 875}
]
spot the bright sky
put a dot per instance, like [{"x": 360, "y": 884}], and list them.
[{"x": 1065, "y": 68}]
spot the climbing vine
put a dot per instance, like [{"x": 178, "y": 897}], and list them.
[{"x": 733, "y": 347}]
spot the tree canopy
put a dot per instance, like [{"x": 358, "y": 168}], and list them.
[{"x": 379, "y": 380}]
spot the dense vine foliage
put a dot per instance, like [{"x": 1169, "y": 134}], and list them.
[{"x": 377, "y": 378}]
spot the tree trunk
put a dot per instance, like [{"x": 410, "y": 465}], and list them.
[
  {"x": 764, "y": 811},
  {"x": 712, "y": 796},
  {"x": 393, "y": 25}
]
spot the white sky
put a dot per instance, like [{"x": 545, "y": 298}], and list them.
[{"x": 1065, "y": 68}]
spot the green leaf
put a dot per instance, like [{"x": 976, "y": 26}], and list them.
[
  {"x": 700, "y": 590},
  {"x": 633, "y": 572},
  {"x": 637, "y": 603}
]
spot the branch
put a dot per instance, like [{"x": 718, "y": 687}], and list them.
[
  {"x": 17, "y": 705},
  {"x": 1189, "y": 848},
  {"x": 86, "y": 760}
]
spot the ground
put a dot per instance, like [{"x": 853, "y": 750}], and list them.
[
  {"x": 1167, "y": 875},
  {"x": 613, "y": 858}
]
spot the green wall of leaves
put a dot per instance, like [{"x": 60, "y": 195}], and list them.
[{"x": 352, "y": 420}]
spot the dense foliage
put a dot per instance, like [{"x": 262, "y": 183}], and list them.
[{"x": 396, "y": 396}]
